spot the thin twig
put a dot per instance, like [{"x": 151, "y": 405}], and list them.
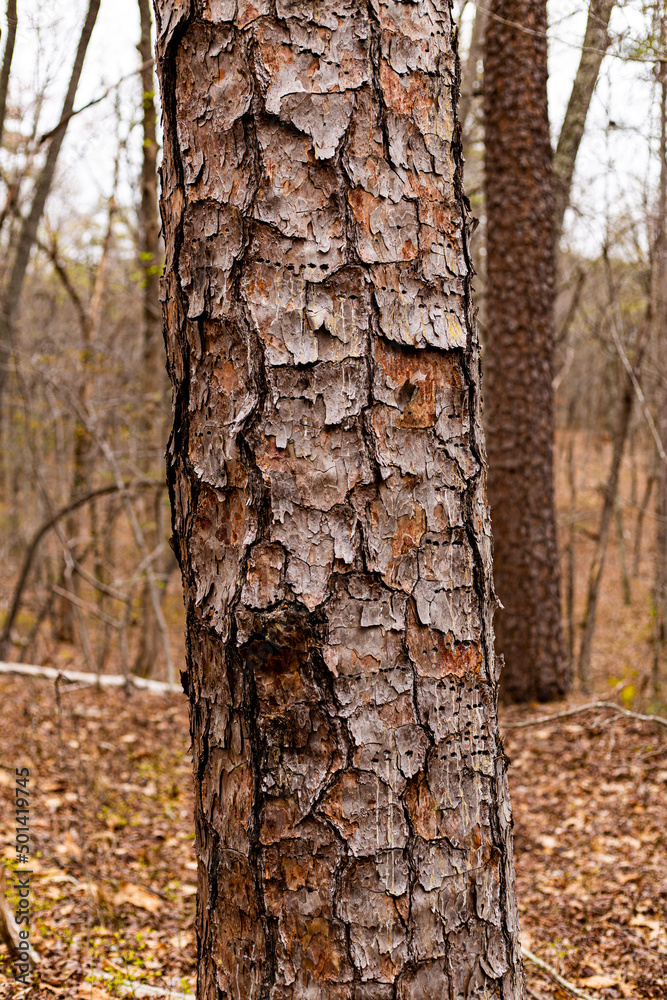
[
  {"x": 94, "y": 582},
  {"x": 585, "y": 708},
  {"x": 85, "y": 606},
  {"x": 550, "y": 971},
  {"x": 96, "y": 100},
  {"x": 541, "y": 33},
  {"x": 89, "y": 420}
]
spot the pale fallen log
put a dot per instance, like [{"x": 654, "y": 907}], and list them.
[{"x": 79, "y": 677}]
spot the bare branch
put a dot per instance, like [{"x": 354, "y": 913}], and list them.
[
  {"x": 545, "y": 720},
  {"x": 96, "y": 100},
  {"x": 47, "y": 526}
]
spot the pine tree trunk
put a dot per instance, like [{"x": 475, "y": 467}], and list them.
[
  {"x": 519, "y": 351},
  {"x": 327, "y": 476}
]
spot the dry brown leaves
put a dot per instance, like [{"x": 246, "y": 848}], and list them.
[
  {"x": 590, "y": 808},
  {"x": 111, "y": 821},
  {"x": 115, "y": 875}
]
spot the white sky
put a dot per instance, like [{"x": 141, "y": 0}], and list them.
[
  {"x": 46, "y": 42},
  {"x": 611, "y": 170},
  {"x": 617, "y": 157}
]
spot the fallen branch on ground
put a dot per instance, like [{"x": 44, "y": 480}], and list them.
[
  {"x": 550, "y": 971},
  {"x": 585, "y": 708},
  {"x": 78, "y": 676}
]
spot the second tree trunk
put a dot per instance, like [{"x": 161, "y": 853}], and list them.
[{"x": 519, "y": 349}]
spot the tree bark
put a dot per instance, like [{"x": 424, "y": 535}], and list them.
[
  {"x": 519, "y": 351},
  {"x": 595, "y": 44},
  {"x": 327, "y": 477},
  {"x": 12, "y": 23},
  {"x": 28, "y": 232}
]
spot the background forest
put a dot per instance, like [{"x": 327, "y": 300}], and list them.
[{"x": 90, "y": 583}]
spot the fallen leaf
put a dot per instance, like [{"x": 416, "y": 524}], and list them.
[
  {"x": 91, "y": 889},
  {"x": 625, "y": 877},
  {"x": 53, "y": 875},
  {"x": 91, "y": 992},
  {"x": 599, "y": 982},
  {"x": 548, "y": 842},
  {"x": 69, "y": 846},
  {"x": 136, "y": 896},
  {"x": 653, "y": 925},
  {"x": 526, "y": 939},
  {"x": 115, "y": 822},
  {"x": 181, "y": 940}
]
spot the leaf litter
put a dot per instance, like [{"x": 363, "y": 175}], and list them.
[{"x": 113, "y": 890}]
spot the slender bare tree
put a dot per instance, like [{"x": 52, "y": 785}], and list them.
[
  {"x": 470, "y": 75},
  {"x": 12, "y": 23},
  {"x": 90, "y": 317},
  {"x": 631, "y": 378},
  {"x": 11, "y": 297},
  {"x": 659, "y": 295},
  {"x": 327, "y": 477},
  {"x": 152, "y": 422},
  {"x": 595, "y": 44}
]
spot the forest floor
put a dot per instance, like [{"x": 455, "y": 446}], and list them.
[{"x": 113, "y": 890}]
